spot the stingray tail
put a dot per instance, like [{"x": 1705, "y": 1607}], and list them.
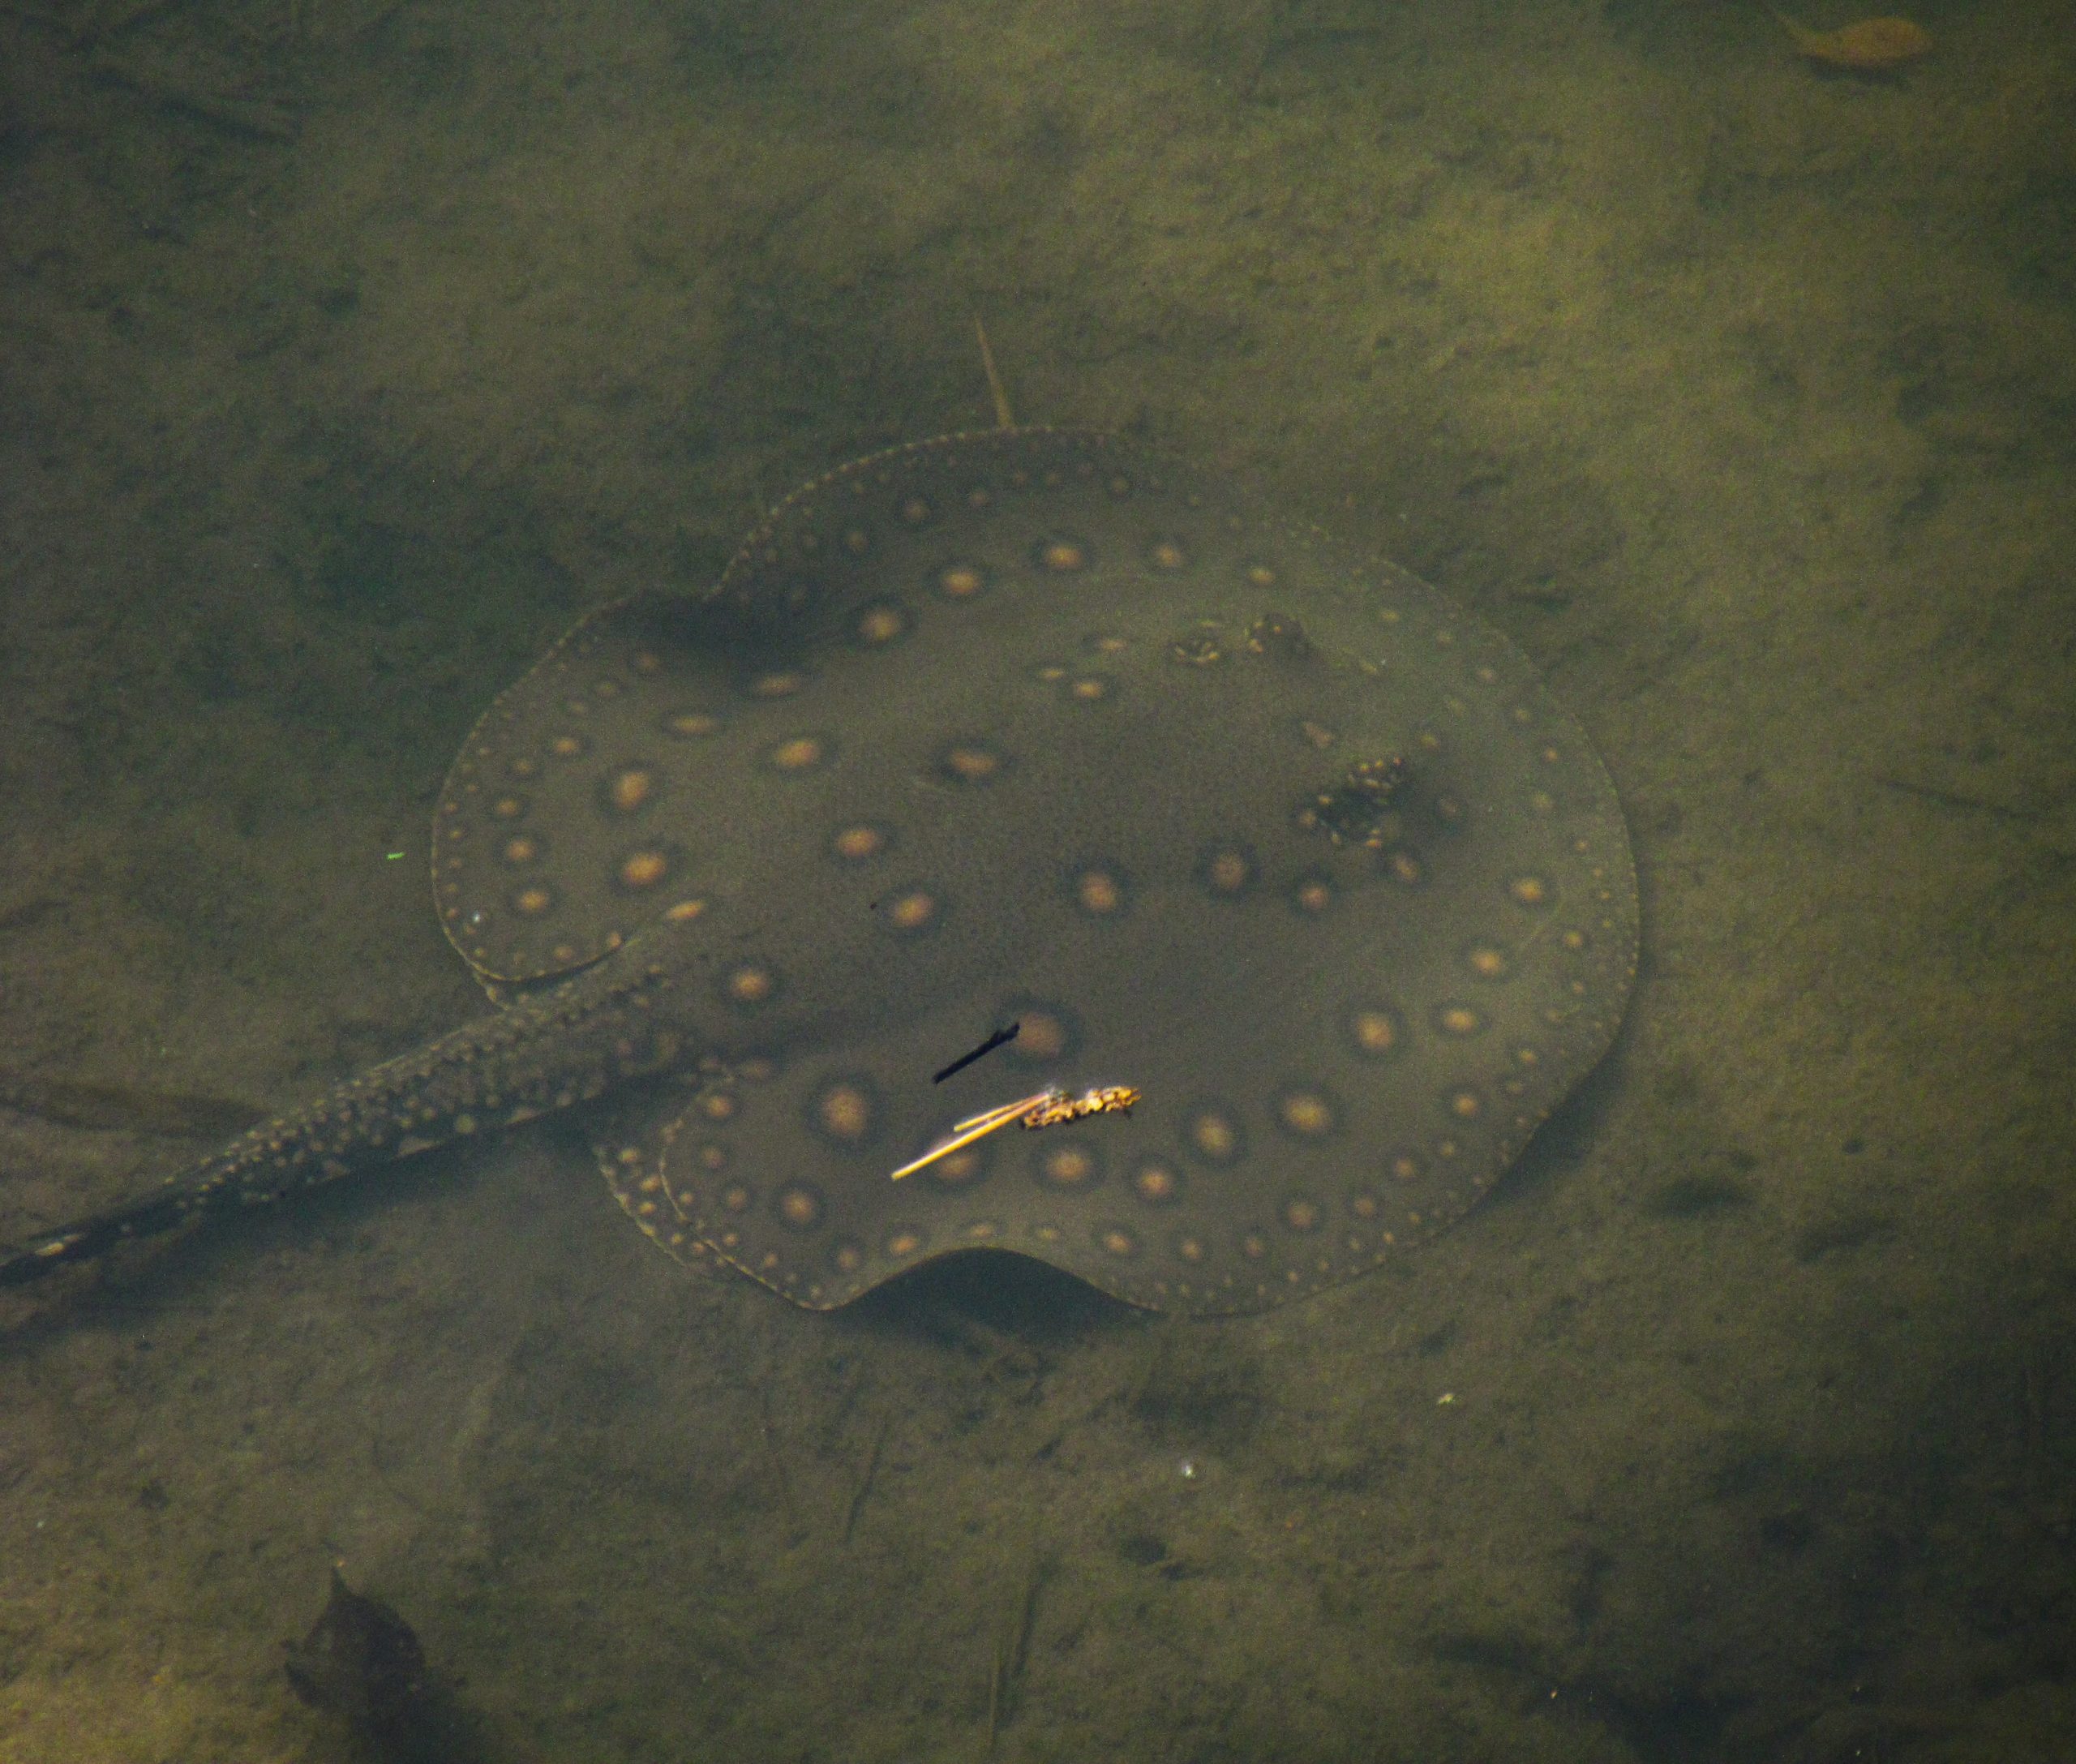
[{"x": 562, "y": 1049}]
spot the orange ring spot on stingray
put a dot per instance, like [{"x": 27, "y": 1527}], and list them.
[
  {"x": 1214, "y": 1136},
  {"x": 1487, "y": 961},
  {"x": 845, "y": 1112},
  {"x": 629, "y": 789},
  {"x": 1306, "y": 1112},
  {"x": 1229, "y": 870},
  {"x": 855, "y": 844},
  {"x": 800, "y": 1208},
  {"x": 751, "y": 985},
  {"x": 799, "y": 754},
  {"x": 1099, "y": 892},
  {"x": 1376, "y": 1031},
  {"x": 882, "y": 624},
  {"x": 1404, "y": 867},
  {"x": 913, "y": 910},
  {"x": 956, "y": 1167},
  {"x": 1067, "y": 1166},
  {"x": 1156, "y": 1182},
  {"x": 644, "y": 869},
  {"x": 1040, "y": 1035}
]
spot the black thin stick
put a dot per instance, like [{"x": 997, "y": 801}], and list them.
[{"x": 964, "y": 1060}]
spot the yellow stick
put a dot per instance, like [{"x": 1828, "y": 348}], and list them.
[{"x": 975, "y": 1127}]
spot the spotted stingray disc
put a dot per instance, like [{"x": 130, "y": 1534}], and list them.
[{"x": 1021, "y": 729}]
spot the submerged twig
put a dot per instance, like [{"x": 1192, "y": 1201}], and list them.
[
  {"x": 1004, "y": 417},
  {"x": 1953, "y": 799},
  {"x": 1012, "y": 1650},
  {"x": 867, "y": 1477}
]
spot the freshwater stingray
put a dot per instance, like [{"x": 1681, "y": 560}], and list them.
[{"x": 1014, "y": 743}]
